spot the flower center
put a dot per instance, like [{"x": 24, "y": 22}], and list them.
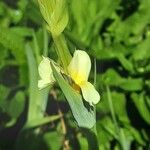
[
  {"x": 78, "y": 78},
  {"x": 76, "y": 87}
]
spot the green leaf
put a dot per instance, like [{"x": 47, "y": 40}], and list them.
[
  {"x": 22, "y": 31},
  {"x": 133, "y": 24},
  {"x": 37, "y": 98},
  {"x": 132, "y": 84},
  {"x": 10, "y": 40},
  {"x": 4, "y": 93},
  {"x": 83, "y": 142},
  {"x": 105, "y": 133},
  {"x": 119, "y": 103},
  {"x": 141, "y": 51},
  {"x": 91, "y": 138},
  {"x": 12, "y": 107},
  {"x": 136, "y": 134},
  {"x": 17, "y": 105},
  {"x": 125, "y": 62},
  {"x": 141, "y": 105},
  {"x": 38, "y": 122},
  {"x": 84, "y": 26},
  {"x": 125, "y": 140},
  {"x": 112, "y": 78},
  {"x": 53, "y": 144},
  {"x": 84, "y": 117},
  {"x": 3, "y": 55}
]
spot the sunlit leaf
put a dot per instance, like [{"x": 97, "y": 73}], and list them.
[{"x": 84, "y": 116}]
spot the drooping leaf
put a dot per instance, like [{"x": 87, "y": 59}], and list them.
[{"x": 85, "y": 117}]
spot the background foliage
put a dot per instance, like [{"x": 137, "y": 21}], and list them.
[{"x": 117, "y": 34}]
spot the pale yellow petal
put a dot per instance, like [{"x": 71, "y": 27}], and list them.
[
  {"x": 42, "y": 84},
  {"x": 45, "y": 73},
  {"x": 80, "y": 66},
  {"x": 89, "y": 93}
]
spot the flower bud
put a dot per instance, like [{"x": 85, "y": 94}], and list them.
[{"x": 55, "y": 14}]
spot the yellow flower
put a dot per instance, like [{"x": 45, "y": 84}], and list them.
[{"x": 79, "y": 69}]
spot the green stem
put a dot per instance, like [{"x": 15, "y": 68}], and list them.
[
  {"x": 45, "y": 46},
  {"x": 36, "y": 48},
  {"x": 112, "y": 109},
  {"x": 95, "y": 73},
  {"x": 94, "y": 128},
  {"x": 62, "y": 51},
  {"x": 119, "y": 132}
]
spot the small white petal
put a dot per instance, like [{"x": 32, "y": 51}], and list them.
[
  {"x": 42, "y": 84},
  {"x": 45, "y": 73},
  {"x": 89, "y": 93},
  {"x": 80, "y": 66},
  {"x": 45, "y": 70}
]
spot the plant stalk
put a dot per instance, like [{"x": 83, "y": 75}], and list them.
[
  {"x": 62, "y": 51},
  {"x": 120, "y": 137}
]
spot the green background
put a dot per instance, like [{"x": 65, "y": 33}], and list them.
[{"x": 117, "y": 34}]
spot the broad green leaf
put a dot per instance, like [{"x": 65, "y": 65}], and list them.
[
  {"x": 17, "y": 104},
  {"x": 22, "y": 31},
  {"x": 4, "y": 93},
  {"x": 3, "y": 55},
  {"x": 125, "y": 63},
  {"x": 141, "y": 51},
  {"x": 112, "y": 51},
  {"x": 53, "y": 144},
  {"x": 140, "y": 103},
  {"x": 32, "y": 13},
  {"x": 30, "y": 139},
  {"x": 119, "y": 103},
  {"x": 131, "y": 84},
  {"x": 83, "y": 142},
  {"x": 133, "y": 25},
  {"x": 91, "y": 138},
  {"x": 125, "y": 139},
  {"x": 10, "y": 40},
  {"x": 112, "y": 78},
  {"x": 85, "y": 117},
  {"x": 88, "y": 26},
  {"x": 136, "y": 134},
  {"x": 105, "y": 133},
  {"x": 15, "y": 108}
]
